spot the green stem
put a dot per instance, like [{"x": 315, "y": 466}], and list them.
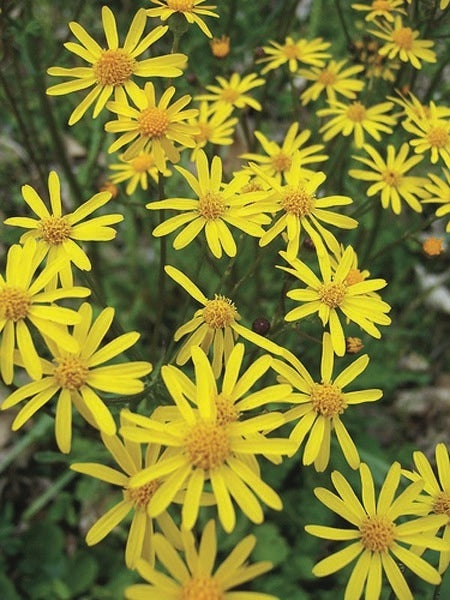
[
  {"x": 43, "y": 424},
  {"x": 437, "y": 592},
  {"x": 377, "y": 217},
  {"x": 231, "y": 17},
  {"x": 49, "y": 494},
  {"x": 162, "y": 274},
  {"x": 401, "y": 239},
  {"x": 343, "y": 23},
  {"x": 295, "y": 99}
]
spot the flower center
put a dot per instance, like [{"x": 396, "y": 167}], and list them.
[
  {"x": 211, "y": 206},
  {"x": 332, "y": 294},
  {"x": 220, "y": 312},
  {"x": 438, "y": 137},
  {"x": 381, "y": 5},
  {"x": 55, "y": 230},
  {"x": 403, "y": 37},
  {"x": 356, "y": 112},
  {"x": 377, "y": 533},
  {"x": 441, "y": 504},
  {"x": 201, "y": 588},
  {"x": 327, "y": 399},
  {"x": 141, "y": 496},
  {"x": 207, "y": 445},
  {"x": 14, "y": 303},
  {"x": 205, "y": 132},
  {"x": 327, "y": 77},
  {"x": 181, "y": 5},
  {"x": 354, "y": 276},
  {"x": 71, "y": 372},
  {"x": 226, "y": 410},
  {"x": 297, "y": 201},
  {"x": 114, "y": 67},
  {"x": 142, "y": 163},
  {"x": 230, "y": 95},
  {"x": 153, "y": 122},
  {"x": 281, "y": 162},
  {"x": 391, "y": 178},
  {"x": 291, "y": 51}
]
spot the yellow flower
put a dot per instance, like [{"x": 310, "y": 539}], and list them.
[
  {"x": 308, "y": 52},
  {"x": 325, "y": 297},
  {"x": 333, "y": 79},
  {"x": 23, "y": 300},
  {"x": 74, "y": 374},
  {"x": 381, "y": 8},
  {"x": 432, "y": 131},
  {"x": 440, "y": 194},
  {"x": 190, "y": 9},
  {"x": 194, "y": 579},
  {"x": 300, "y": 207},
  {"x": 232, "y": 398},
  {"x": 213, "y": 325},
  {"x": 128, "y": 457},
  {"x": 413, "y": 108},
  {"x": 136, "y": 171},
  {"x": 57, "y": 233},
  {"x": 201, "y": 449},
  {"x": 215, "y": 126},
  {"x": 112, "y": 69},
  {"x": 156, "y": 126},
  {"x": 232, "y": 92},
  {"x": 357, "y": 118},
  {"x": 279, "y": 157},
  {"x": 216, "y": 206},
  {"x": 436, "y": 496},
  {"x": 402, "y": 41},
  {"x": 321, "y": 405},
  {"x": 388, "y": 177},
  {"x": 377, "y": 537},
  {"x": 220, "y": 47}
]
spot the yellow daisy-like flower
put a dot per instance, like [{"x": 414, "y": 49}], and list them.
[
  {"x": 279, "y": 157},
  {"x": 325, "y": 297},
  {"x": 217, "y": 206},
  {"x": 128, "y": 456},
  {"x": 413, "y": 108},
  {"x": 384, "y": 9},
  {"x": 432, "y": 131},
  {"x": 232, "y": 398},
  {"x": 192, "y": 11},
  {"x": 402, "y": 41},
  {"x": 23, "y": 300},
  {"x": 333, "y": 79},
  {"x": 75, "y": 375},
  {"x": 136, "y": 171},
  {"x": 308, "y": 52},
  {"x": 436, "y": 496},
  {"x": 389, "y": 179},
  {"x": 203, "y": 449},
  {"x": 378, "y": 539},
  {"x": 112, "y": 69},
  {"x": 215, "y": 126},
  {"x": 57, "y": 233},
  {"x": 156, "y": 126},
  {"x": 357, "y": 118},
  {"x": 440, "y": 194},
  {"x": 232, "y": 92},
  {"x": 321, "y": 404},
  {"x": 300, "y": 207},
  {"x": 194, "y": 579},
  {"x": 213, "y": 325}
]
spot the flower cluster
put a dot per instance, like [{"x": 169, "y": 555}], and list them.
[{"x": 192, "y": 439}]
